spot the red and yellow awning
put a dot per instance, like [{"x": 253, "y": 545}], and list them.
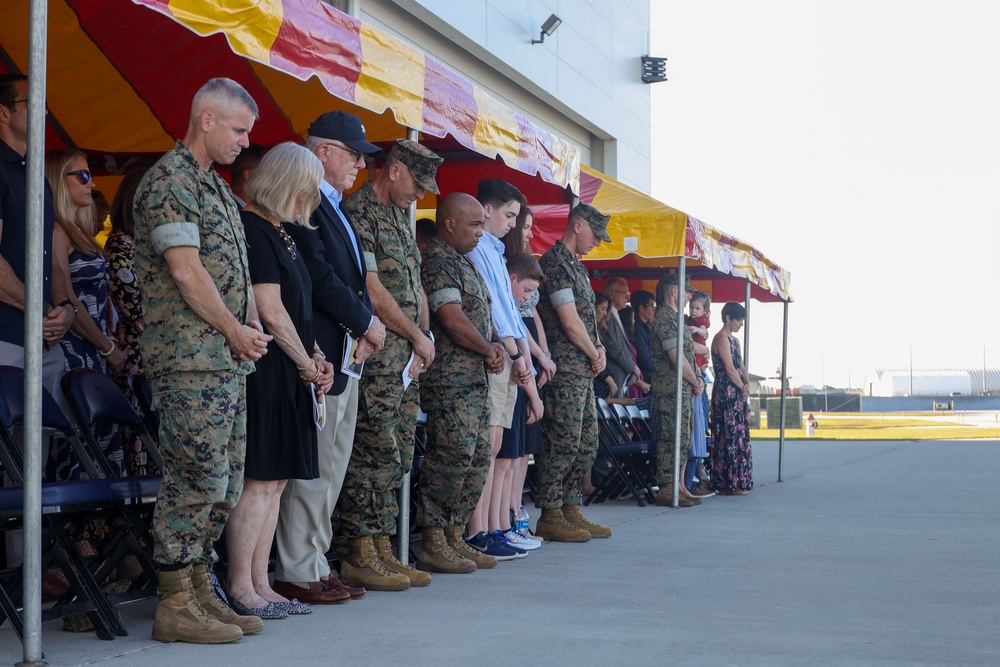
[{"x": 121, "y": 76}]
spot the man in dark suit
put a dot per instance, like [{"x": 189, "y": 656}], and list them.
[
  {"x": 343, "y": 312},
  {"x": 620, "y": 362}
]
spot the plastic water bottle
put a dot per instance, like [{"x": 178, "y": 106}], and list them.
[{"x": 521, "y": 522}]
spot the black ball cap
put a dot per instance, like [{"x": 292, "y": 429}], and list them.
[{"x": 345, "y": 128}]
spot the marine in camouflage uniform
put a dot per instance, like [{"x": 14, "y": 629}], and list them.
[
  {"x": 569, "y": 429},
  {"x": 455, "y": 394},
  {"x": 198, "y": 387},
  {"x": 387, "y": 413},
  {"x": 662, "y": 339}
]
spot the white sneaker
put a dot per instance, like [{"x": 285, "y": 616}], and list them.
[{"x": 520, "y": 541}]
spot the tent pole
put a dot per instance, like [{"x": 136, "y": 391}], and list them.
[
  {"x": 784, "y": 382},
  {"x": 33, "y": 308},
  {"x": 403, "y": 522},
  {"x": 746, "y": 330},
  {"x": 679, "y": 368}
]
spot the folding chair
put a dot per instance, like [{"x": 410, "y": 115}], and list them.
[
  {"x": 95, "y": 400},
  {"x": 142, "y": 393},
  {"x": 618, "y": 452},
  {"x": 65, "y": 506}
]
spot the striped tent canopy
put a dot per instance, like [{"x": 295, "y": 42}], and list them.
[
  {"x": 648, "y": 237},
  {"x": 121, "y": 75}
]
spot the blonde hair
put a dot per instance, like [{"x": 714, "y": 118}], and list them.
[
  {"x": 287, "y": 174},
  {"x": 79, "y": 222}
]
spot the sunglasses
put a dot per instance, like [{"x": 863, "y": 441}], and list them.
[
  {"x": 358, "y": 155},
  {"x": 84, "y": 174}
]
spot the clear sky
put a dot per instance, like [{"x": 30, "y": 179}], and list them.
[{"x": 857, "y": 144}]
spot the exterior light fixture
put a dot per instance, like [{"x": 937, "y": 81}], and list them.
[
  {"x": 548, "y": 28},
  {"x": 654, "y": 70}
]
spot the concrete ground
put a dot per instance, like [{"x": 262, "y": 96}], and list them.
[{"x": 872, "y": 553}]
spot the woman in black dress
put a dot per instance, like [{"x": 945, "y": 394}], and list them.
[{"x": 281, "y": 434}]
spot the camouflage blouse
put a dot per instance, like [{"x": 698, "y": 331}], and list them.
[
  {"x": 451, "y": 278},
  {"x": 663, "y": 337},
  {"x": 390, "y": 249},
  {"x": 566, "y": 281},
  {"x": 179, "y": 204}
]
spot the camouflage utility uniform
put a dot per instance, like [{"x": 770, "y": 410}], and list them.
[
  {"x": 455, "y": 394},
  {"x": 663, "y": 338},
  {"x": 569, "y": 429},
  {"x": 387, "y": 415},
  {"x": 198, "y": 387}
]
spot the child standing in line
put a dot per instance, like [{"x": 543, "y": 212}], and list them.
[{"x": 698, "y": 321}]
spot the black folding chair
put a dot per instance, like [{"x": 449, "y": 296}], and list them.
[
  {"x": 142, "y": 393},
  {"x": 620, "y": 455},
  {"x": 65, "y": 507},
  {"x": 96, "y": 400}
]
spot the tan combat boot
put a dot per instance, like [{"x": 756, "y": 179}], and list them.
[
  {"x": 204, "y": 593},
  {"x": 572, "y": 514},
  {"x": 362, "y": 567},
  {"x": 417, "y": 578},
  {"x": 456, "y": 540},
  {"x": 437, "y": 556},
  {"x": 552, "y": 525},
  {"x": 179, "y": 617},
  {"x": 665, "y": 498}
]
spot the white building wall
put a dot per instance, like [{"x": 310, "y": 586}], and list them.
[{"x": 583, "y": 83}]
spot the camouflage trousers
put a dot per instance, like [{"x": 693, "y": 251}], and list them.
[
  {"x": 569, "y": 433},
  {"x": 382, "y": 454},
  {"x": 203, "y": 440},
  {"x": 668, "y": 426},
  {"x": 458, "y": 454}
]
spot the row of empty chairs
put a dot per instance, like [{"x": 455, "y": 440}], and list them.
[
  {"x": 626, "y": 455},
  {"x": 123, "y": 503}
]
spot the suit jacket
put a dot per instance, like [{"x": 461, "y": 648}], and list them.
[
  {"x": 340, "y": 297},
  {"x": 619, "y": 352}
]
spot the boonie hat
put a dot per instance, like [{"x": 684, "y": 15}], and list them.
[
  {"x": 422, "y": 162},
  {"x": 598, "y": 221}
]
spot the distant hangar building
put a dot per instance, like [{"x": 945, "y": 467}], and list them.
[{"x": 936, "y": 382}]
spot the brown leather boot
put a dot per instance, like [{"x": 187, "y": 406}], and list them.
[
  {"x": 552, "y": 525},
  {"x": 362, "y": 567},
  {"x": 665, "y": 498},
  {"x": 179, "y": 617},
  {"x": 204, "y": 593},
  {"x": 417, "y": 578},
  {"x": 437, "y": 556},
  {"x": 572, "y": 514},
  {"x": 456, "y": 540}
]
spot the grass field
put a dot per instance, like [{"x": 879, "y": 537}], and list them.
[{"x": 897, "y": 426}]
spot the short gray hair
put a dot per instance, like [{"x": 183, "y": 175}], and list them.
[
  {"x": 222, "y": 93},
  {"x": 289, "y": 173}
]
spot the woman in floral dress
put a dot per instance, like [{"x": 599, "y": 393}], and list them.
[{"x": 732, "y": 460}]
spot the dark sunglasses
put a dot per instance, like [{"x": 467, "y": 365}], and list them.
[{"x": 84, "y": 174}]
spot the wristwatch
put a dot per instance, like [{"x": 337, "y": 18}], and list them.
[{"x": 72, "y": 305}]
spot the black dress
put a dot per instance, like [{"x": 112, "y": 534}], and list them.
[{"x": 281, "y": 435}]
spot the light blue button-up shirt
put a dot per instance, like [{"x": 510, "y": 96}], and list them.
[{"x": 489, "y": 261}]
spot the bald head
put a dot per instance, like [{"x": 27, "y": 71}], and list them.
[
  {"x": 459, "y": 221},
  {"x": 616, "y": 289}
]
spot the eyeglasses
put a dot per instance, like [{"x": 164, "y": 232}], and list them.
[
  {"x": 622, "y": 291},
  {"x": 84, "y": 174},
  {"x": 358, "y": 155}
]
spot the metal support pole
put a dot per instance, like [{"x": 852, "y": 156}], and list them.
[
  {"x": 746, "y": 330},
  {"x": 403, "y": 520},
  {"x": 784, "y": 379},
  {"x": 33, "y": 309},
  {"x": 679, "y": 368}
]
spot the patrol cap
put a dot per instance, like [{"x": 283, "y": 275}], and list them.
[
  {"x": 598, "y": 221},
  {"x": 345, "y": 128},
  {"x": 673, "y": 279},
  {"x": 421, "y": 161}
]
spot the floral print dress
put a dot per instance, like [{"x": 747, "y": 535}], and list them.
[{"x": 732, "y": 460}]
